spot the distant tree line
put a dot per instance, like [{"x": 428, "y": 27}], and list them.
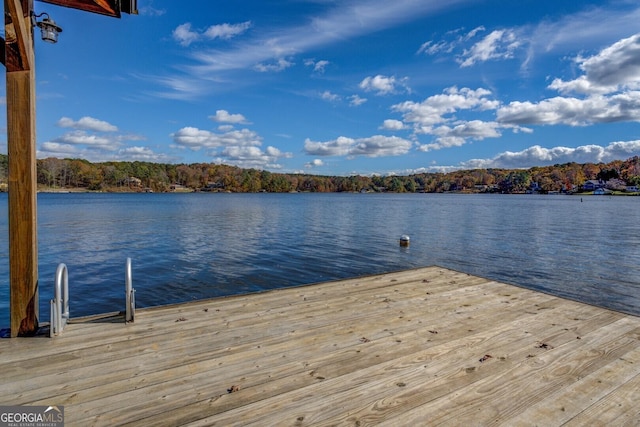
[{"x": 144, "y": 176}]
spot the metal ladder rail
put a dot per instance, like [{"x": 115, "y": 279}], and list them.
[
  {"x": 60, "y": 301},
  {"x": 130, "y": 293},
  {"x": 59, "y": 314}
]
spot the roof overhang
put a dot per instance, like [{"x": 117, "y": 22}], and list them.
[{"x": 112, "y": 8}]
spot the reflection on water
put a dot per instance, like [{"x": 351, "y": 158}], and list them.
[{"x": 193, "y": 246}]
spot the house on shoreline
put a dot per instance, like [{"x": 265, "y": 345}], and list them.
[
  {"x": 592, "y": 185},
  {"x": 608, "y": 187},
  {"x": 133, "y": 182},
  {"x": 178, "y": 188}
]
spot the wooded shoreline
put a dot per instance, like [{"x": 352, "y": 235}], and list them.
[{"x": 81, "y": 175}]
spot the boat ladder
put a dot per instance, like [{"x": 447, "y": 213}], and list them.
[
  {"x": 60, "y": 301},
  {"x": 130, "y": 294}
]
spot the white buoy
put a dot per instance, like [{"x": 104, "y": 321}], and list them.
[{"x": 404, "y": 240}]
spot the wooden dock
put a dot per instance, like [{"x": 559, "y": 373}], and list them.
[{"x": 428, "y": 346}]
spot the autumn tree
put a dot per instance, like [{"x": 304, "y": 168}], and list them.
[{"x": 4, "y": 167}]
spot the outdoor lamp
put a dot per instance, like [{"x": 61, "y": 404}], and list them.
[{"x": 48, "y": 28}]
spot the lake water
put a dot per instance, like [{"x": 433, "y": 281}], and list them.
[{"x": 192, "y": 246}]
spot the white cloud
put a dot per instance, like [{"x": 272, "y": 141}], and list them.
[
  {"x": 328, "y": 96},
  {"x": 266, "y": 49},
  {"x": 184, "y": 35},
  {"x": 499, "y": 44},
  {"x": 381, "y": 146},
  {"x": 430, "y": 169},
  {"x": 434, "y": 109},
  {"x": 391, "y": 124},
  {"x": 575, "y": 32},
  {"x": 573, "y": 111},
  {"x": 87, "y": 123},
  {"x": 79, "y": 137},
  {"x": 315, "y": 163},
  {"x": 273, "y": 67},
  {"x": 235, "y": 147},
  {"x": 95, "y": 140},
  {"x": 611, "y": 81},
  {"x": 318, "y": 66},
  {"x": 383, "y": 85},
  {"x": 471, "y": 34},
  {"x": 338, "y": 147},
  {"x": 57, "y": 149},
  {"x": 445, "y": 141},
  {"x": 580, "y": 85},
  {"x": 179, "y": 87},
  {"x": 226, "y": 31},
  {"x": 374, "y": 146},
  {"x": 431, "y": 48},
  {"x": 148, "y": 9},
  {"x": 614, "y": 68},
  {"x": 580, "y": 31},
  {"x": 355, "y": 100},
  {"x": 476, "y": 129},
  {"x": 540, "y": 156},
  {"x": 436, "y": 116},
  {"x": 98, "y": 153},
  {"x": 223, "y": 116},
  {"x": 252, "y": 157},
  {"x": 447, "y": 46},
  {"x": 142, "y": 154},
  {"x": 195, "y": 138},
  {"x": 610, "y": 86}
]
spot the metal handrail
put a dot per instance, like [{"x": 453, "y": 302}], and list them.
[
  {"x": 60, "y": 301},
  {"x": 130, "y": 309}
]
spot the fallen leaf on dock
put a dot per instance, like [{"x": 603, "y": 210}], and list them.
[
  {"x": 485, "y": 357},
  {"x": 233, "y": 389}
]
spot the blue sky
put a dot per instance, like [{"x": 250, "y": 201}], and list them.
[{"x": 343, "y": 87}]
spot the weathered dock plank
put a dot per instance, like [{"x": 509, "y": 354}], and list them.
[{"x": 428, "y": 345}]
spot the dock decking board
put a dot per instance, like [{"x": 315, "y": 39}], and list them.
[{"x": 423, "y": 346}]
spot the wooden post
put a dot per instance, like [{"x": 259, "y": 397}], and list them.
[
  {"x": 18, "y": 57},
  {"x": 21, "y": 144}
]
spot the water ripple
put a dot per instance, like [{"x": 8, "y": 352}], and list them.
[{"x": 193, "y": 246}]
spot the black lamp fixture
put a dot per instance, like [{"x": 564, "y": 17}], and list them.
[{"x": 49, "y": 29}]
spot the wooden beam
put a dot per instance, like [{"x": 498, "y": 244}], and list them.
[
  {"x": 18, "y": 48},
  {"x": 21, "y": 144},
  {"x": 20, "y": 34},
  {"x": 103, "y": 7},
  {"x": 3, "y": 50}
]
